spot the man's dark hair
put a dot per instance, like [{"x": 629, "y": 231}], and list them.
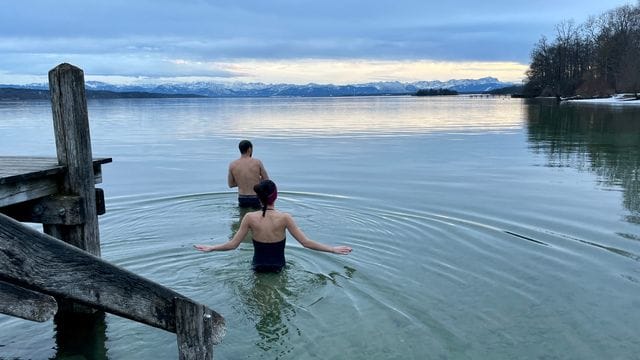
[{"x": 244, "y": 146}]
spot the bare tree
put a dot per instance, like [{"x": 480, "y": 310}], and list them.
[{"x": 595, "y": 58}]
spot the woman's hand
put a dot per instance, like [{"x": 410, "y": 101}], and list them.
[
  {"x": 342, "y": 250},
  {"x": 205, "y": 248}
]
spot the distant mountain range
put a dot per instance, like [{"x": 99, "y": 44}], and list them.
[
  {"x": 211, "y": 89},
  {"x": 16, "y": 93}
]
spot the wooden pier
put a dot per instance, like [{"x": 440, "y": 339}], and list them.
[{"x": 60, "y": 270}]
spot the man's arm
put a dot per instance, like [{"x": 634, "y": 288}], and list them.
[
  {"x": 230, "y": 179},
  {"x": 263, "y": 172}
]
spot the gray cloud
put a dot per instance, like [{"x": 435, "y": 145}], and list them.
[
  {"x": 153, "y": 32},
  {"x": 117, "y": 64}
]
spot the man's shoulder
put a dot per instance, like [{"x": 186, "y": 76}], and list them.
[
  {"x": 255, "y": 161},
  {"x": 236, "y": 163},
  {"x": 251, "y": 163}
]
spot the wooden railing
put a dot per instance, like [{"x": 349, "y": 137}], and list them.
[
  {"x": 45, "y": 273},
  {"x": 40, "y": 267}
]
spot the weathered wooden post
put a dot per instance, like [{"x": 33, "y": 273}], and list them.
[
  {"x": 73, "y": 145},
  {"x": 195, "y": 326}
]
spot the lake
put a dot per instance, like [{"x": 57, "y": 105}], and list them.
[{"x": 481, "y": 227}]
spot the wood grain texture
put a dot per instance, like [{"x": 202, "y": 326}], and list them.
[
  {"x": 73, "y": 145},
  {"x": 194, "y": 331},
  {"x": 28, "y": 178},
  {"x": 26, "y": 304},
  {"x": 54, "y": 209},
  {"x": 58, "y": 269}
]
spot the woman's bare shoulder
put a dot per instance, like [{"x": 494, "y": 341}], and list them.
[
  {"x": 285, "y": 216},
  {"x": 282, "y": 213},
  {"x": 252, "y": 216}
]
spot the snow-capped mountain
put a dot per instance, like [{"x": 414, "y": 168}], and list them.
[{"x": 240, "y": 89}]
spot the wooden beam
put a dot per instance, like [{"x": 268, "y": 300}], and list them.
[
  {"x": 18, "y": 192},
  {"x": 54, "y": 210},
  {"x": 73, "y": 145},
  {"x": 53, "y": 267},
  {"x": 58, "y": 210},
  {"x": 26, "y": 304}
]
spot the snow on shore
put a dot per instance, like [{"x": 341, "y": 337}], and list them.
[{"x": 619, "y": 99}]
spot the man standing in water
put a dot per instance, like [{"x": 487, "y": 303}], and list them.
[{"x": 244, "y": 173}]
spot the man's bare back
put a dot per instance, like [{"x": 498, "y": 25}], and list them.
[{"x": 246, "y": 172}]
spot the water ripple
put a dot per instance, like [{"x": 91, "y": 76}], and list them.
[{"x": 405, "y": 261}]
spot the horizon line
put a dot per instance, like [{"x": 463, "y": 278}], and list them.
[{"x": 194, "y": 80}]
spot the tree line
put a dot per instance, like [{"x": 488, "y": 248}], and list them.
[
  {"x": 435, "y": 92},
  {"x": 598, "y": 58}
]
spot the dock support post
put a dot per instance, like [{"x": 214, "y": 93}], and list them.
[
  {"x": 73, "y": 145},
  {"x": 197, "y": 330}
]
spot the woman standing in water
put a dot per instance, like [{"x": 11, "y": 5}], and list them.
[{"x": 268, "y": 227}]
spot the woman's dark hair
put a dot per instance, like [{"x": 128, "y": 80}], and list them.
[{"x": 267, "y": 193}]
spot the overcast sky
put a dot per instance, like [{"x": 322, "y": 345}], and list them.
[{"x": 290, "y": 41}]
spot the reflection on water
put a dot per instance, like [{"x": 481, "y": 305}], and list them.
[
  {"x": 271, "y": 302},
  {"x": 367, "y": 115},
  {"x": 80, "y": 335},
  {"x": 267, "y": 300},
  {"x": 190, "y": 119},
  {"x": 235, "y": 225},
  {"x": 598, "y": 139}
]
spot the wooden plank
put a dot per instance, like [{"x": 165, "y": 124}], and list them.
[
  {"x": 73, "y": 145},
  {"x": 20, "y": 168},
  {"x": 30, "y": 189},
  {"x": 53, "y": 267},
  {"x": 29, "y": 161},
  {"x": 26, "y": 304},
  {"x": 40, "y": 181},
  {"x": 12, "y": 171}
]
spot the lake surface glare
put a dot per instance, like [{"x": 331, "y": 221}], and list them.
[{"x": 482, "y": 228}]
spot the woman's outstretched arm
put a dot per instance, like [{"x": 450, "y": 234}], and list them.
[
  {"x": 231, "y": 244},
  {"x": 295, "y": 231}
]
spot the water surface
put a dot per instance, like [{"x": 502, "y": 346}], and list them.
[{"x": 481, "y": 227}]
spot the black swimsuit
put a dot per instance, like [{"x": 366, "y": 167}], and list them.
[
  {"x": 249, "y": 201},
  {"x": 268, "y": 257}
]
